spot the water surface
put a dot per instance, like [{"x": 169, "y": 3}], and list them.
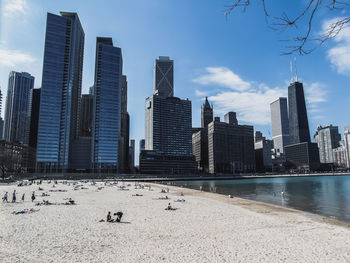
[{"x": 324, "y": 195}]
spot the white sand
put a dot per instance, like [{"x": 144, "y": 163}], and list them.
[{"x": 205, "y": 228}]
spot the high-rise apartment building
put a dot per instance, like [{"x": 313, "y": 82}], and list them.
[
  {"x": 206, "y": 113},
  {"x": 280, "y": 124},
  {"x": 60, "y": 91},
  {"x": 327, "y": 139},
  {"x": 164, "y": 77},
  {"x": 17, "y": 105},
  {"x": 107, "y": 106},
  {"x": 347, "y": 145},
  {"x": 298, "y": 121},
  {"x": 231, "y": 147}
]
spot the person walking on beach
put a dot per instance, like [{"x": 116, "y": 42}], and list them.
[
  {"x": 14, "y": 196},
  {"x": 33, "y": 196},
  {"x": 23, "y": 198},
  {"x": 5, "y": 197}
]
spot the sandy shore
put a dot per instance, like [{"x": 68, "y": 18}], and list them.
[{"x": 205, "y": 228}]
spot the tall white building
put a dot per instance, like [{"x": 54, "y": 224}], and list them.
[{"x": 327, "y": 139}]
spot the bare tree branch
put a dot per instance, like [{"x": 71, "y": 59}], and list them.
[{"x": 306, "y": 18}]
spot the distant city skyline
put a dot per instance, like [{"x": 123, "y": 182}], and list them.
[{"x": 238, "y": 68}]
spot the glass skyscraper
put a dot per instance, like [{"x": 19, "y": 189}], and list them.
[
  {"x": 61, "y": 90},
  {"x": 298, "y": 121},
  {"x": 17, "y": 105},
  {"x": 107, "y": 105}
]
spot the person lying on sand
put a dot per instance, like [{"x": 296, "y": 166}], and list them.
[
  {"x": 25, "y": 211},
  {"x": 180, "y": 200},
  {"x": 70, "y": 202},
  {"x": 137, "y": 195}
]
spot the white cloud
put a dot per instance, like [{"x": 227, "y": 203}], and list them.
[
  {"x": 13, "y": 8},
  {"x": 11, "y": 58},
  {"x": 339, "y": 55},
  {"x": 222, "y": 76},
  {"x": 253, "y": 104},
  {"x": 200, "y": 93}
]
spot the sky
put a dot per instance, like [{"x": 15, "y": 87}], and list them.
[{"x": 235, "y": 60}]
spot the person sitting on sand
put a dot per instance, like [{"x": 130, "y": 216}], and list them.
[
  {"x": 169, "y": 207},
  {"x": 33, "y": 196},
  {"x": 23, "y": 198},
  {"x": 119, "y": 216},
  {"x": 109, "y": 217}
]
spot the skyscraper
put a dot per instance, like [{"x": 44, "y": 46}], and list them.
[
  {"x": 280, "y": 124},
  {"x": 132, "y": 155},
  {"x": 164, "y": 77},
  {"x": 327, "y": 139},
  {"x": 206, "y": 113},
  {"x": 125, "y": 128},
  {"x": 1, "y": 120},
  {"x": 85, "y": 115},
  {"x": 168, "y": 126},
  {"x": 107, "y": 105},
  {"x": 17, "y": 105},
  {"x": 347, "y": 145},
  {"x": 298, "y": 121},
  {"x": 32, "y": 126},
  {"x": 60, "y": 90}
]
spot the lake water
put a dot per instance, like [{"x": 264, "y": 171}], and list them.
[{"x": 325, "y": 195}]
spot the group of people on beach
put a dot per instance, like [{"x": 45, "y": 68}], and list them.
[{"x": 14, "y": 197}]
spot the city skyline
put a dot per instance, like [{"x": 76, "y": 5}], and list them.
[{"x": 225, "y": 76}]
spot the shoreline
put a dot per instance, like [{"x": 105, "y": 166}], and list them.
[
  {"x": 257, "y": 206},
  {"x": 205, "y": 227}
]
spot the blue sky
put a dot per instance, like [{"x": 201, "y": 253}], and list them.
[{"x": 233, "y": 60}]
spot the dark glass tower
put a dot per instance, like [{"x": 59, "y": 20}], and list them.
[
  {"x": 164, "y": 77},
  {"x": 125, "y": 128},
  {"x": 206, "y": 114},
  {"x": 17, "y": 105},
  {"x": 32, "y": 126},
  {"x": 60, "y": 91},
  {"x": 1, "y": 120},
  {"x": 298, "y": 121},
  {"x": 107, "y": 106},
  {"x": 85, "y": 118}
]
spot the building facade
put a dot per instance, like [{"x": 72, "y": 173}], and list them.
[
  {"x": 125, "y": 129},
  {"x": 60, "y": 91},
  {"x": 85, "y": 115},
  {"x": 303, "y": 156},
  {"x": 231, "y": 148},
  {"x": 263, "y": 154},
  {"x": 206, "y": 114},
  {"x": 298, "y": 122},
  {"x": 327, "y": 139},
  {"x": 164, "y": 77},
  {"x": 107, "y": 106},
  {"x": 347, "y": 145},
  {"x": 17, "y": 106},
  {"x": 1, "y": 120},
  {"x": 280, "y": 124}
]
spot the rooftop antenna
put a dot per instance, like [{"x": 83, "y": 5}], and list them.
[
  {"x": 291, "y": 71},
  {"x": 296, "y": 70}
]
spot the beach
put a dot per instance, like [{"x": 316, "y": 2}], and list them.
[{"x": 206, "y": 227}]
